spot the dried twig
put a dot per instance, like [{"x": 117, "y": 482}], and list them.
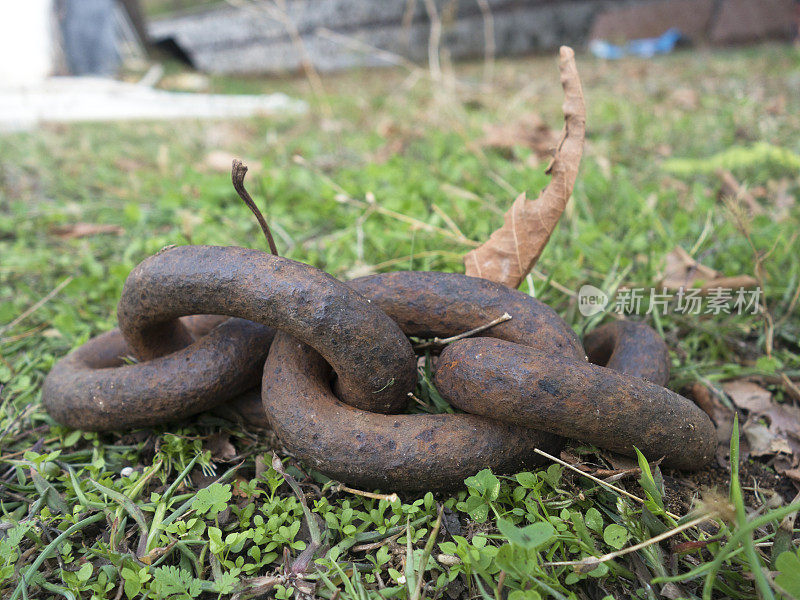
[
  {"x": 238, "y": 171},
  {"x": 590, "y": 562},
  {"x": 434, "y": 40},
  {"x": 444, "y": 341},
  {"x": 375, "y": 545},
  {"x": 488, "y": 41},
  {"x": 277, "y": 11},
  {"x": 370, "y": 205},
  {"x": 600, "y": 481},
  {"x": 388, "y": 497}
]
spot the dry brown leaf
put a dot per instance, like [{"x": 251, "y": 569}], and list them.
[
  {"x": 792, "y": 473},
  {"x": 777, "y": 106},
  {"x": 262, "y": 466},
  {"x": 782, "y": 435},
  {"x": 239, "y": 487},
  {"x": 220, "y": 447},
  {"x": 748, "y": 395},
  {"x": 128, "y": 164},
  {"x": 511, "y": 251},
  {"x": 80, "y": 230},
  {"x": 762, "y": 442},
  {"x": 529, "y": 131},
  {"x": 398, "y": 137},
  {"x": 682, "y": 271}
]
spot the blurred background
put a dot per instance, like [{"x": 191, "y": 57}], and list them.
[{"x": 97, "y": 37}]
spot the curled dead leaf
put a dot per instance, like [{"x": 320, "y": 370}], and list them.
[
  {"x": 782, "y": 435},
  {"x": 682, "y": 271},
  {"x": 762, "y": 442},
  {"x": 397, "y": 138},
  {"x": 685, "y": 98},
  {"x": 748, "y": 396},
  {"x": 239, "y": 487},
  {"x": 511, "y": 251}
]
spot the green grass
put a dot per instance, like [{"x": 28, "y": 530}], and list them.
[{"x": 72, "y": 522}]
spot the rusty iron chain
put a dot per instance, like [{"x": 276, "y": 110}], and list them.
[{"x": 336, "y": 379}]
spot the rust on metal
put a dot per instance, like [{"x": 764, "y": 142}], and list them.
[
  {"x": 425, "y": 304},
  {"x": 524, "y": 382},
  {"x": 373, "y": 360},
  {"x": 393, "y": 452},
  {"x": 525, "y": 385},
  {"x": 630, "y": 347},
  {"x": 93, "y": 389},
  {"x": 411, "y": 452}
]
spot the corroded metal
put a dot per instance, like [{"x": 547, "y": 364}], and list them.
[
  {"x": 524, "y": 385},
  {"x": 391, "y": 452},
  {"x": 411, "y": 452},
  {"x": 430, "y": 304},
  {"x": 373, "y": 360},
  {"x": 629, "y": 347},
  {"x": 93, "y": 388},
  {"x": 426, "y": 304},
  {"x": 524, "y": 382}
]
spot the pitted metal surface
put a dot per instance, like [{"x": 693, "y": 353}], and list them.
[
  {"x": 629, "y": 347},
  {"x": 426, "y": 304},
  {"x": 411, "y": 452},
  {"x": 341, "y": 365},
  {"x": 523, "y": 385},
  {"x": 373, "y": 360},
  {"x": 92, "y": 388},
  {"x": 391, "y": 452}
]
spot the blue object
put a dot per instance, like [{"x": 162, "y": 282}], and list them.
[
  {"x": 90, "y": 37},
  {"x": 645, "y": 47}
]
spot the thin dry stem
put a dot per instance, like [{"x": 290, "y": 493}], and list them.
[
  {"x": 388, "y": 497},
  {"x": 444, "y": 341},
  {"x": 743, "y": 225},
  {"x": 345, "y": 198},
  {"x": 600, "y": 481},
  {"x": 375, "y": 545},
  {"x": 277, "y": 11},
  {"x": 238, "y": 171},
  {"x": 434, "y": 39},
  {"x": 593, "y": 561},
  {"x": 367, "y": 49}
]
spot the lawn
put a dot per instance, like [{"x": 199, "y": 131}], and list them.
[{"x": 388, "y": 172}]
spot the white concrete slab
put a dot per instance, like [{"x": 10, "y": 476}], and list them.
[{"x": 71, "y": 99}]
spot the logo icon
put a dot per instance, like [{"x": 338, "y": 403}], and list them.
[{"x": 591, "y": 300}]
